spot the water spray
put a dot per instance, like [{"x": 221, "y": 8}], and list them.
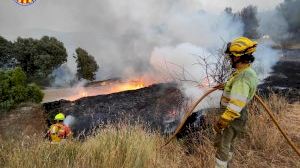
[{"x": 69, "y": 120}]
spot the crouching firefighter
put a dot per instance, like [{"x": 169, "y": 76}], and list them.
[
  {"x": 238, "y": 91},
  {"x": 59, "y": 132}
]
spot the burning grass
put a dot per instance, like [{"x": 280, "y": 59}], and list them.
[
  {"x": 126, "y": 146},
  {"x": 95, "y": 88}
]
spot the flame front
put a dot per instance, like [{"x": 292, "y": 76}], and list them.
[
  {"x": 132, "y": 85},
  {"x": 106, "y": 89},
  {"x": 100, "y": 89}
]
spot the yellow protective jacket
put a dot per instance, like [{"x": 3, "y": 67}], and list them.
[
  {"x": 238, "y": 91},
  {"x": 58, "y": 132}
]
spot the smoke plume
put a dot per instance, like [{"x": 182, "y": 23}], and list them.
[
  {"x": 123, "y": 34},
  {"x": 133, "y": 37}
]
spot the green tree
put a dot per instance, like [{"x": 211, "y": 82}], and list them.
[
  {"x": 228, "y": 10},
  {"x": 251, "y": 24},
  {"x": 248, "y": 16},
  {"x": 38, "y": 58},
  {"x": 14, "y": 89},
  {"x": 6, "y": 51},
  {"x": 86, "y": 65},
  {"x": 290, "y": 9}
]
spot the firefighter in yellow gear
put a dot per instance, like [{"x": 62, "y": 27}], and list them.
[
  {"x": 58, "y": 132},
  {"x": 238, "y": 91}
]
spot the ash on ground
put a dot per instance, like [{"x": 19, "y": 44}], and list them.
[
  {"x": 285, "y": 78},
  {"x": 156, "y": 107}
]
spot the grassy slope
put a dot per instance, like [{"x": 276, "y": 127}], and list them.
[{"x": 261, "y": 146}]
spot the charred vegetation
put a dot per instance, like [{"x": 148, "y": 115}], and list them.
[{"x": 157, "y": 107}]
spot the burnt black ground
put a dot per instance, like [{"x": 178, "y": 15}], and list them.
[
  {"x": 156, "y": 107},
  {"x": 285, "y": 78}
]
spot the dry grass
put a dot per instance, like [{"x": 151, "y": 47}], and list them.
[
  {"x": 126, "y": 147},
  {"x": 261, "y": 146}
]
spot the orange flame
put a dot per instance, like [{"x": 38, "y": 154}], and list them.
[
  {"x": 106, "y": 87},
  {"x": 131, "y": 85}
]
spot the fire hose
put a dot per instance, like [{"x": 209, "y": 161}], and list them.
[{"x": 190, "y": 111}]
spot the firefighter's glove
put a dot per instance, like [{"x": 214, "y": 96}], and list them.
[{"x": 221, "y": 125}]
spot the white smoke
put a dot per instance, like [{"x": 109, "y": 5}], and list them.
[
  {"x": 131, "y": 37},
  {"x": 122, "y": 34},
  {"x": 237, "y": 5},
  {"x": 62, "y": 77},
  {"x": 181, "y": 64},
  {"x": 69, "y": 120},
  {"x": 265, "y": 58},
  {"x": 272, "y": 24}
]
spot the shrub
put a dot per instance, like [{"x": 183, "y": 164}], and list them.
[
  {"x": 14, "y": 89},
  {"x": 34, "y": 93}
]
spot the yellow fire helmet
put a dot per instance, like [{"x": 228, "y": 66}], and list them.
[
  {"x": 241, "y": 46},
  {"x": 59, "y": 117}
]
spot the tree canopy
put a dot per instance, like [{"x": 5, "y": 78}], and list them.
[
  {"x": 6, "y": 58},
  {"x": 86, "y": 65},
  {"x": 38, "y": 58},
  {"x": 248, "y": 16},
  {"x": 290, "y": 9},
  {"x": 14, "y": 89},
  {"x": 251, "y": 24}
]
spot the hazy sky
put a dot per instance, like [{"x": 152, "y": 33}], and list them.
[
  {"x": 63, "y": 16},
  {"x": 219, "y": 5},
  {"x": 124, "y": 33}
]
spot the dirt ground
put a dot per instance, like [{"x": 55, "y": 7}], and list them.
[{"x": 26, "y": 120}]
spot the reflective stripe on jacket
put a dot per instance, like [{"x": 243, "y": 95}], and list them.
[
  {"x": 238, "y": 91},
  {"x": 58, "y": 131}
]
